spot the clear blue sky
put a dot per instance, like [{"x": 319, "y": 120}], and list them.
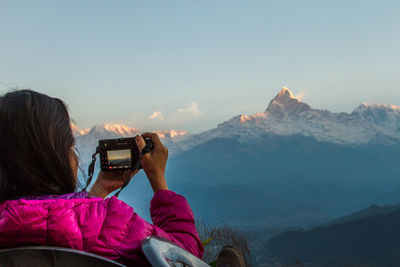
[{"x": 121, "y": 61}]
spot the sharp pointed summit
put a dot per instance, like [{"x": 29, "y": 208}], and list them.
[
  {"x": 285, "y": 104},
  {"x": 285, "y": 93}
]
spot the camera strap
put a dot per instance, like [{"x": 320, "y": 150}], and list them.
[
  {"x": 134, "y": 168},
  {"x": 91, "y": 168}
]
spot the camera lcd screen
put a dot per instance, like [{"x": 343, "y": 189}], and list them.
[{"x": 119, "y": 158}]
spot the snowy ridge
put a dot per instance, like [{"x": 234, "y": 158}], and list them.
[
  {"x": 286, "y": 115},
  {"x": 77, "y": 131},
  {"x": 87, "y": 140}
]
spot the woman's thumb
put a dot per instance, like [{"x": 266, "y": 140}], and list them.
[{"x": 140, "y": 142}]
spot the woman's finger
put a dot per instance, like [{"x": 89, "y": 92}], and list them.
[
  {"x": 154, "y": 137},
  {"x": 140, "y": 142}
]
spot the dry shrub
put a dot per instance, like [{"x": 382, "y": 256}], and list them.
[{"x": 223, "y": 235}]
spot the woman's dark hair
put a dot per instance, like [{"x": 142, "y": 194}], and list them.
[{"x": 36, "y": 145}]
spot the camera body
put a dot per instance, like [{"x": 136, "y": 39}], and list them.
[{"x": 120, "y": 153}]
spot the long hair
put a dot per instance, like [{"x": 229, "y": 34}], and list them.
[{"x": 36, "y": 145}]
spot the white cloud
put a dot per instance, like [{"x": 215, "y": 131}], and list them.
[
  {"x": 157, "y": 115},
  {"x": 192, "y": 108}
]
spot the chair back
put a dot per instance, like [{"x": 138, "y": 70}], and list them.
[
  {"x": 52, "y": 256},
  {"x": 160, "y": 252}
]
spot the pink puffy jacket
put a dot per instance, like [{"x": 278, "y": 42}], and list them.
[{"x": 108, "y": 227}]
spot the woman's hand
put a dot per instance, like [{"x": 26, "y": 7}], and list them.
[
  {"x": 154, "y": 162},
  {"x": 110, "y": 181}
]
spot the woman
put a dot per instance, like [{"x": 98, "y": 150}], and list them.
[{"x": 38, "y": 179}]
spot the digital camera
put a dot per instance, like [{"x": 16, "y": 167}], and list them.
[{"x": 121, "y": 153}]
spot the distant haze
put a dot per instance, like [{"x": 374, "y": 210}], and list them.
[{"x": 189, "y": 65}]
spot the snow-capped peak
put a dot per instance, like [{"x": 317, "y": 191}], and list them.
[
  {"x": 120, "y": 129},
  {"x": 285, "y": 104},
  {"x": 76, "y": 131},
  {"x": 365, "y": 107},
  {"x": 378, "y": 114},
  {"x": 285, "y": 93},
  {"x": 105, "y": 130},
  {"x": 170, "y": 133}
]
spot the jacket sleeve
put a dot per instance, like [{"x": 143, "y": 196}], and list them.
[
  {"x": 173, "y": 219},
  {"x": 123, "y": 230}
]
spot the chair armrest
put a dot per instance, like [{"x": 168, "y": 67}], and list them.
[{"x": 161, "y": 252}]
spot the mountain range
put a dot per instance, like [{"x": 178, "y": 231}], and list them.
[
  {"x": 288, "y": 166},
  {"x": 87, "y": 140},
  {"x": 285, "y": 115}
]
